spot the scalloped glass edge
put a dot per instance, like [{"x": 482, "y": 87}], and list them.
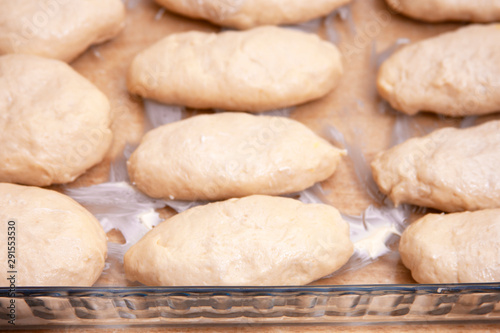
[{"x": 295, "y": 305}]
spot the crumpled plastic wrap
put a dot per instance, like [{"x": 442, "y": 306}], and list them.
[{"x": 117, "y": 204}]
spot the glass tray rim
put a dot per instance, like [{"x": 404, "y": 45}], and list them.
[
  {"x": 335, "y": 305},
  {"x": 431, "y": 288}
]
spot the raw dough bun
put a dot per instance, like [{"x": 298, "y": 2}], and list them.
[
  {"x": 244, "y": 14},
  {"x": 448, "y": 10},
  {"x": 256, "y": 70},
  {"x": 60, "y": 29},
  {"x": 57, "y": 241},
  {"x": 453, "y": 248},
  {"x": 54, "y": 123},
  {"x": 454, "y": 74},
  {"x": 226, "y": 155},
  {"x": 253, "y": 241},
  {"x": 449, "y": 169}
]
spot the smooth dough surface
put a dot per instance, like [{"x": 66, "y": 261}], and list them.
[
  {"x": 245, "y": 14},
  {"x": 59, "y": 29},
  {"x": 57, "y": 241},
  {"x": 255, "y": 70},
  {"x": 449, "y": 169},
  {"x": 227, "y": 155},
  {"x": 257, "y": 240},
  {"x": 454, "y": 74},
  {"x": 453, "y": 248},
  {"x": 448, "y": 10},
  {"x": 54, "y": 123}
]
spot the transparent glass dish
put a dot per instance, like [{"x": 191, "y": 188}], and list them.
[{"x": 178, "y": 306}]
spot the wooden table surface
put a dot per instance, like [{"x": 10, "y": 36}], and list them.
[
  {"x": 476, "y": 328},
  {"x": 353, "y": 108}
]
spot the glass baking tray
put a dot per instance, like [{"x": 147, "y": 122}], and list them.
[
  {"x": 46, "y": 307},
  {"x": 179, "y": 306}
]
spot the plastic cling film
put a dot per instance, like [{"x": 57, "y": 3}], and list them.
[
  {"x": 160, "y": 114},
  {"x": 345, "y": 14},
  {"x": 160, "y": 13},
  {"x": 373, "y": 232},
  {"x": 284, "y": 112},
  {"x": 311, "y": 26},
  {"x": 378, "y": 227},
  {"x": 180, "y": 206},
  {"x": 468, "y": 121},
  {"x": 119, "y": 206},
  {"x": 384, "y": 55},
  {"x": 361, "y": 167},
  {"x": 406, "y": 127},
  {"x": 131, "y": 4},
  {"x": 370, "y": 222}
]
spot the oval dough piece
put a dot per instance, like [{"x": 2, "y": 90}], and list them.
[
  {"x": 59, "y": 29},
  {"x": 226, "y": 155},
  {"x": 449, "y": 169},
  {"x": 256, "y": 70},
  {"x": 57, "y": 241},
  {"x": 457, "y": 73},
  {"x": 54, "y": 123},
  {"x": 245, "y": 14},
  {"x": 257, "y": 240},
  {"x": 448, "y": 10},
  {"x": 453, "y": 248}
]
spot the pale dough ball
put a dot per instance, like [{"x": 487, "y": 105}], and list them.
[
  {"x": 255, "y": 70},
  {"x": 454, "y": 74},
  {"x": 226, "y": 155},
  {"x": 449, "y": 169},
  {"x": 448, "y": 10},
  {"x": 257, "y": 240},
  {"x": 54, "y": 123},
  {"x": 453, "y": 248},
  {"x": 244, "y": 14},
  {"x": 60, "y": 29},
  {"x": 57, "y": 241}
]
